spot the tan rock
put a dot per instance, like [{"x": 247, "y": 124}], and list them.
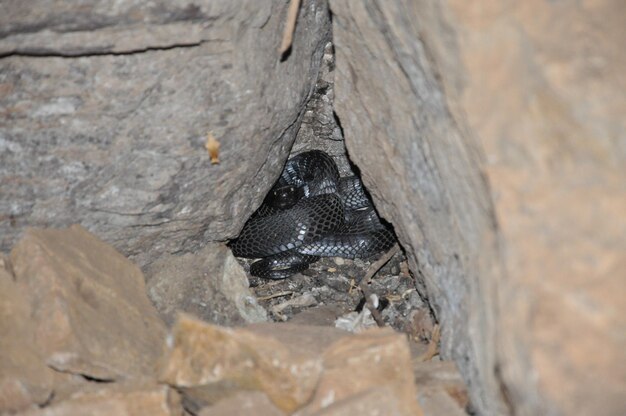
[
  {"x": 371, "y": 362},
  {"x": 437, "y": 402},
  {"x": 310, "y": 340},
  {"x": 243, "y": 404},
  {"x": 544, "y": 94},
  {"x": 118, "y": 400},
  {"x": 87, "y": 304},
  {"x": 210, "y": 363},
  {"x": 436, "y": 376},
  {"x": 377, "y": 401},
  {"x": 501, "y": 125},
  {"x": 24, "y": 377}
]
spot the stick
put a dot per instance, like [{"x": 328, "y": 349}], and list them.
[
  {"x": 276, "y": 295},
  {"x": 376, "y": 266},
  {"x": 371, "y": 271},
  {"x": 369, "y": 302},
  {"x": 290, "y": 26}
]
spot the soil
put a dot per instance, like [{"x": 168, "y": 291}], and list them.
[{"x": 332, "y": 284}]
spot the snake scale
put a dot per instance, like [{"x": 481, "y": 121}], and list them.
[{"x": 311, "y": 212}]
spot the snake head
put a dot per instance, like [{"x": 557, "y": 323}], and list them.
[{"x": 284, "y": 197}]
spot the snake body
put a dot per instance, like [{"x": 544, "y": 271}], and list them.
[{"x": 311, "y": 212}]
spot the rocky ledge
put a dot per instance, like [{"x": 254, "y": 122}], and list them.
[{"x": 80, "y": 336}]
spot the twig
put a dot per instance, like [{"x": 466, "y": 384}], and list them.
[
  {"x": 304, "y": 300},
  {"x": 376, "y": 266},
  {"x": 276, "y": 295},
  {"x": 372, "y": 306},
  {"x": 363, "y": 284},
  {"x": 290, "y": 26}
]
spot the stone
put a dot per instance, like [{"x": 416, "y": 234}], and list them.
[
  {"x": 303, "y": 301},
  {"x": 209, "y": 284},
  {"x": 116, "y": 400},
  {"x": 440, "y": 376},
  {"x": 423, "y": 175},
  {"x": 209, "y": 363},
  {"x": 494, "y": 143},
  {"x": 106, "y": 111},
  {"x": 356, "y": 321},
  {"x": 24, "y": 377},
  {"x": 308, "y": 339},
  {"x": 436, "y": 402},
  {"x": 243, "y": 404},
  {"x": 323, "y": 315},
  {"x": 87, "y": 305},
  {"x": 372, "y": 360},
  {"x": 554, "y": 158},
  {"x": 376, "y": 401}
]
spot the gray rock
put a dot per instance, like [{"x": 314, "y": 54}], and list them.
[
  {"x": 423, "y": 173},
  {"x": 209, "y": 284},
  {"x": 105, "y": 112}
]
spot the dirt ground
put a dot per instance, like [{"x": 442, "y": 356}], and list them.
[{"x": 329, "y": 290}]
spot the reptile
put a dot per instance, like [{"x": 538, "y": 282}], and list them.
[{"x": 311, "y": 212}]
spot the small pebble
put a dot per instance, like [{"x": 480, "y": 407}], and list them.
[
  {"x": 359, "y": 263},
  {"x": 332, "y": 269},
  {"x": 339, "y": 261}
]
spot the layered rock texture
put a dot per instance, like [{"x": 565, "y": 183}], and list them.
[
  {"x": 73, "y": 309},
  {"x": 106, "y": 110},
  {"x": 491, "y": 134}
]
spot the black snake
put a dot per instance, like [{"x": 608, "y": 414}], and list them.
[{"x": 311, "y": 212}]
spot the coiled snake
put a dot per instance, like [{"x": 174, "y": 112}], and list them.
[{"x": 311, "y": 212}]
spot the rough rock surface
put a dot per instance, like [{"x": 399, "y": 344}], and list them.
[
  {"x": 424, "y": 177},
  {"x": 377, "y": 361},
  {"x": 555, "y": 146},
  {"x": 80, "y": 337},
  {"x": 211, "y": 363},
  {"x": 117, "y": 400},
  {"x": 106, "y": 108},
  {"x": 308, "y": 369},
  {"x": 87, "y": 304},
  {"x": 209, "y": 284},
  {"x": 436, "y": 100},
  {"x": 24, "y": 376},
  {"x": 243, "y": 404},
  {"x": 490, "y": 133},
  {"x": 440, "y": 388}
]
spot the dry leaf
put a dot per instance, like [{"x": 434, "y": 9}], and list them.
[
  {"x": 213, "y": 147},
  {"x": 290, "y": 26}
]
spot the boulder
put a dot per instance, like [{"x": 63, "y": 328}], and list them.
[
  {"x": 243, "y": 404},
  {"x": 423, "y": 173},
  {"x": 87, "y": 306},
  {"x": 108, "y": 108},
  {"x": 209, "y": 284},
  {"x": 24, "y": 377},
  {"x": 122, "y": 400},
  {"x": 211, "y": 363},
  {"x": 492, "y": 135},
  {"x": 369, "y": 373},
  {"x": 303, "y": 369}
]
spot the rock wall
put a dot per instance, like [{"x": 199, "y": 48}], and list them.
[
  {"x": 106, "y": 110},
  {"x": 492, "y": 136},
  {"x": 490, "y": 133},
  {"x": 424, "y": 176}
]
